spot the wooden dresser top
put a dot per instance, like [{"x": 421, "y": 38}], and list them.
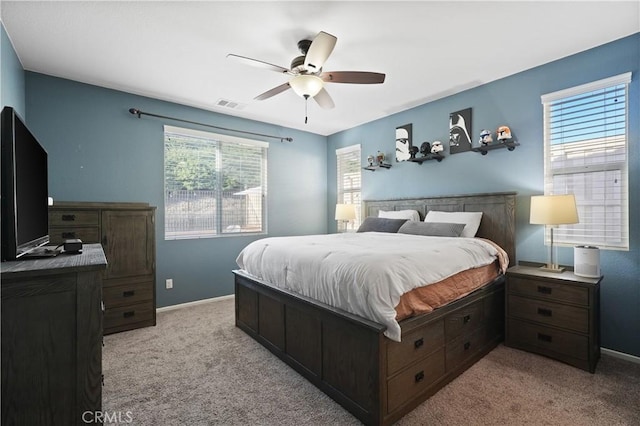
[{"x": 91, "y": 258}]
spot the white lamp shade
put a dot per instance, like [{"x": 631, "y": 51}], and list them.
[
  {"x": 306, "y": 85},
  {"x": 553, "y": 210},
  {"x": 345, "y": 211}
]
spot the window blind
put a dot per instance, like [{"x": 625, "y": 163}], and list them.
[
  {"x": 585, "y": 131},
  {"x": 214, "y": 184},
  {"x": 349, "y": 183}
]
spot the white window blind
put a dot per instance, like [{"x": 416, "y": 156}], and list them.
[
  {"x": 215, "y": 185},
  {"x": 586, "y": 146},
  {"x": 349, "y": 183}
]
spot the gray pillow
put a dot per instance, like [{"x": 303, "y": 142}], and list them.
[
  {"x": 432, "y": 229},
  {"x": 381, "y": 224}
]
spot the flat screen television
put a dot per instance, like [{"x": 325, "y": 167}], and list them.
[{"x": 25, "y": 221}]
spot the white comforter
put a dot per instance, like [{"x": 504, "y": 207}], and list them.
[{"x": 362, "y": 273}]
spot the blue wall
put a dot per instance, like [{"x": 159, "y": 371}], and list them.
[
  {"x": 515, "y": 101},
  {"x": 98, "y": 151},
  {"x": 12, "y": 86}
]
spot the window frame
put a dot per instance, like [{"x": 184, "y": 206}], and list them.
[
  {"x": 595, "y": 161},
  {"x": 219, "y": 141}
]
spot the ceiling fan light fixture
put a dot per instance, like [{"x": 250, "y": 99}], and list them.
[{"x": 306, "y": 85}]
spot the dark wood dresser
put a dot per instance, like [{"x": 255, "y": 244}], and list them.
[
  {"x": 52, "y": 338},
  {"x": 127, "y": 234},
  {"x": 554, "y": 314}
]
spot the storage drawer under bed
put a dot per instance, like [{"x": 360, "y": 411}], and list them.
[
  {"x": 414, "y": 345},
  {"x": 415, "y": 380}
]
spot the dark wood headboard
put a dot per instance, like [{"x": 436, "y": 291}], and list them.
[{"x": 498, "y": 213}]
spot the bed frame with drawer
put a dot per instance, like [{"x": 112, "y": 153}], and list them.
[{"x": 349, "y": 358}]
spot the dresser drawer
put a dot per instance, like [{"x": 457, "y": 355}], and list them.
[
  {"x": 414, "y": 346},
  {"x": 127, "y": 294},
  {"x": 535, "y": 336},
  {"x": 415, "y": 380},
  {"x": 463, "y": 320},
  {"x": 549, "y": 313},
  {"x": 68, "y": 218},
  {"x": 559, "y": 292},
  {"x": 464, "y": 347},
  {"x": 125, "y": 315},
  {"x": 88, "y": 235}
]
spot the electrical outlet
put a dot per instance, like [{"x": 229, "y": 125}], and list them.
[{"x": 169, "y": 283}]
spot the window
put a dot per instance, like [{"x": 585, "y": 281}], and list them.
[
  {"x": 585, "y": 149},
  {"x": 349, "y": 183},
  {"x": 214, "y": 185}
]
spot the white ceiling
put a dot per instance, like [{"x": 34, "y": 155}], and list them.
[{"x": 176, "y": 51}]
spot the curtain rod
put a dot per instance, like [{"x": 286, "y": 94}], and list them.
[{"x": 139, "y": 113}]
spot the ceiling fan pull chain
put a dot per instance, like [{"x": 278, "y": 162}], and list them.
[{"x": 306, "y": 102}]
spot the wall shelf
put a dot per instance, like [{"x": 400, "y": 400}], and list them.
[
  {"x": 375, "y": 167},
  {"x": 510, "y": 145},
  {"x": 420, "y": 160}
]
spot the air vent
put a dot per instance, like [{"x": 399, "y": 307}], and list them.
[{"x": 225, "y": 103}]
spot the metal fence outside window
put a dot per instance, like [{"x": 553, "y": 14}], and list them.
[{"x": 194, "y": 213}]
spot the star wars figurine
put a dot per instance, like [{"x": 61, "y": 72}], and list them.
[
  {"x": 485, "y": 137},
  {"x": 425, "y": 148},
  {"x": 412, "y": 152},
  {"x": 504, "y": 133},
  {"x": 436, "y": 147}
]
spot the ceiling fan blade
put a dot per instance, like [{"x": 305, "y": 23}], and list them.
[
  {"x": 355, "y": 77},
  {"x": 320, "y": 49},
  {"x": 273, "y": 92},
  {"x": 257, "y": 63},
  {"x": 324, "y": 99}
]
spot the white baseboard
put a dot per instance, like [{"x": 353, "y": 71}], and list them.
[
  {"x": 197, "y": 302},
  {"x": 621, "y": 355}
]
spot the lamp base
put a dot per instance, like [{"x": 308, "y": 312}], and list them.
[{"x": 552, "y": 268}]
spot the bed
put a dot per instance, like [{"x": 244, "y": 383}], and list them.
[{"x": 347, "y": 356}]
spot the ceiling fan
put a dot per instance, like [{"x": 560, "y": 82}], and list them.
[{"x": 307, "y": 76}]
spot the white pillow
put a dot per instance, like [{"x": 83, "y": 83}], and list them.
[
  {"x": 471, "y": 220},
  {"x": 400, "y": 214}
]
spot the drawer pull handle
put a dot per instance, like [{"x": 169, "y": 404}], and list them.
[
  {"x": 544, "y": 290},
  {"x": 467, "y": 345},
  {"x": 68, "y": 235},
  {"x": 466, "y": 319},
  {"x": 419, "y": 377},
  {"x": 129, "y": 314},
  {"x": 545, "y": 337},
  {"x": 68, "y": 217},
  {"x": 128, "y": 293},
  {"x": 418, "y": 343},
  {"x": 545, "y": 312}
]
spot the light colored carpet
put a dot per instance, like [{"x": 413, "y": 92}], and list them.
[{"x": 196, "y": 368}]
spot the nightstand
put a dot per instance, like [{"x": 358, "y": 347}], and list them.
[{"x": 554, "y": 314}]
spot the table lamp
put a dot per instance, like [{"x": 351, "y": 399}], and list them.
[
  {"x": 345, "y": 212},
  {"x": 553, "y": 210}
]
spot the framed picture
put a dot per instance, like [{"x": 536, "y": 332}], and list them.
[
  {"x": 403, "y": 142},
  {"x": 460, "y": 131}
]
